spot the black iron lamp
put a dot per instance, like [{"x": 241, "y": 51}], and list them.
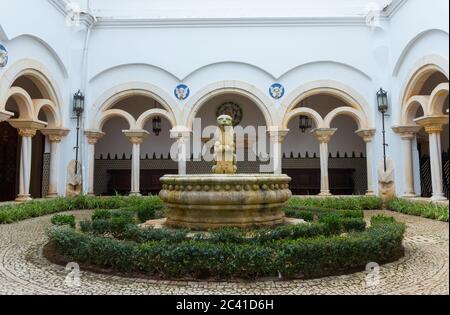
[
  {"x": 157, "y": 125},
  {"x": 78, "y": 109},
  {"x": 304, "y": 123},
  {"x": 382, "y": 98},
  {"x": 383, "y": 107}
]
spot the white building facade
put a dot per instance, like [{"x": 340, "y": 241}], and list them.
[{"x": 306, "y": 73}]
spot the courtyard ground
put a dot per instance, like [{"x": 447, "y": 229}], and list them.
[{"x": 423, "y": 270}]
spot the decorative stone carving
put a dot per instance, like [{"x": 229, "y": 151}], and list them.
[
  {"x": 366, "y": 134},
  {"x": 224, "y": 147},
  {"x": 323, "y": 135},
  {"x": 93, "y": 136},
  {"x": 214, "y": 201},
  {"x": 433, "y": 124},
  {"x": 55, "y": 135},
  {"x": 27, "y": 132},
  {"x": 74, "y": 183},
  {"x": 386, "y": 181}
]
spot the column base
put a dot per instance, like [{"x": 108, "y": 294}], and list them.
[
  {"x": 23, "y": 198},
  {"x": 438, "y": 197},
  {"x": 370, "y": 194},
  {"x": 409, "y": 196},
  {"x": 325, "y": 194},
  {"x": 135, "y": 194},
  {"x": 52, "y": 196}
]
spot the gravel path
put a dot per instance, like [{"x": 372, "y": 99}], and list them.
[{"x": 424, "y": 269}]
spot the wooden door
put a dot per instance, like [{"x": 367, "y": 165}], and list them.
[{"x": 9, "y": 162}]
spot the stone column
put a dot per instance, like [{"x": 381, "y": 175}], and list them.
[
  {"x": 434, "y": 126},
  {"x": 27, "y": 130},
  {"x": 136, "y": 137},
  {"x": 55, "y": 137},
  {"x": 276, "y": 138},
  {"x": 323, "y": 135},
  {"x": 93, "y": 136},
  {"x": 183, "y": 140},
  {"x": 367, "y": 135},
  {"x": 407, "y": 134}
]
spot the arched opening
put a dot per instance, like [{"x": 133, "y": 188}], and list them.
[
  {"x": 252, "y": 140},
  {"x": 114, "y": 152},
  {"x": 346, "y": 173},
  {"x": 427, "y": 106}
]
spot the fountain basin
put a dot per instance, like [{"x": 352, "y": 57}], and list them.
[{"x": 204, "y": 202}]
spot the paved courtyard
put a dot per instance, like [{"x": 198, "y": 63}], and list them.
[{"x": 424, "y": 269}]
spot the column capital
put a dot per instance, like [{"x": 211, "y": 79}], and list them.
[
  {"x": 26, "y": 127},
  {"x": 5, "y": 115},
  {"x": 93, "y": 136},
  {"x": 55, "y": 135},
  {"x": 323, "y": 135},
  {"x": 407, "y": 132},
  {"x": 136, "y": 136},
  {"x": 366, "y": 134},
  {"x": 277, "y": 134},
  {"x": 432, "y": 124},
  {"x": 180, "y": 132}
]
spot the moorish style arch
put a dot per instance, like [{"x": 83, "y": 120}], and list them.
[
  {"x": 429, "y": 106},
  {"x": 103, "y": 111},
  {"x": 40, "y": 113},
  {"x": 355, "y": 106}
]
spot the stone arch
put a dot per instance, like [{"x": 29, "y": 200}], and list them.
[
  {"x": 411, "y": 107},
  {"x": 23, "y": 100},
  {"x": 311, "y": 113},
  {"x": 40, "y": 76},
  {"x": 359, "y": 117},
  {"x": 437, "y": 99},
  {"x": 146, "y": 116},
  {"x": 111, "y": 113},
  {"x": 420, "y": 72},
  {"x": 121, "y": 92},
  {"x": 50, "y": 110},
  {"x": 231, "y": 87},
  {"x": 332, "y": 88}
]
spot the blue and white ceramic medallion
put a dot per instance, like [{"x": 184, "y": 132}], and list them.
[
  {"x": 3, "y": 56},
  {"x": 277, "y": 91},
  {"x": 182, "y": 92}
]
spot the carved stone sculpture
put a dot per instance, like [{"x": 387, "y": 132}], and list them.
[
  {"x": 74, "y": 184},
  {"x": 224, "y": 147},
  {"x": 386, "y": 181}
]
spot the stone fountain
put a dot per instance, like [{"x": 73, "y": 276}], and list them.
[{"x": 224, "y": 198}]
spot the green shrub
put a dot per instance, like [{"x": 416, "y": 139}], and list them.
[
  {"x": 424, "y": 209},
  {"x": 61, "y": 219},
  {"x": 336, "y": 203},
  {"x": 307, "y": 257},
  {"x": 148, "y": 209},
  {"x": 100, "y": 214}
]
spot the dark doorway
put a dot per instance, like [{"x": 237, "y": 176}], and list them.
[
  {"x": 37, "y": 165},
  {"x": 9, "y": 162}
]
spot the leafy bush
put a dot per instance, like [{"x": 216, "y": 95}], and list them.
[
  {"x": 305, "y": 257},
  {"x": 17, "y": 212},
  {"x": 336, "y": 203},
  {"x": 101, "y": 214},
  {"x": 61, "y": 219},
  {"x": 148, "y": 209},
  {"x": 424, "y": 209}
]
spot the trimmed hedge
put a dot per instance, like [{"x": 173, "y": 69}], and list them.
[
  {"x": 335, "y": 203},
  {"x": 227, "y": 258},
  {"x": 13, "y": 213},
  {"x": 424, "y": 209},
  {"x": 61, "y": 220}
]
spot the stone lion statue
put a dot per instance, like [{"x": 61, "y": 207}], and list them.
[{"x": 224, "y": 147}]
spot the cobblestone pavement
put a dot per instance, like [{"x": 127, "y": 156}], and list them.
[{"x": 424, "y": 269}]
